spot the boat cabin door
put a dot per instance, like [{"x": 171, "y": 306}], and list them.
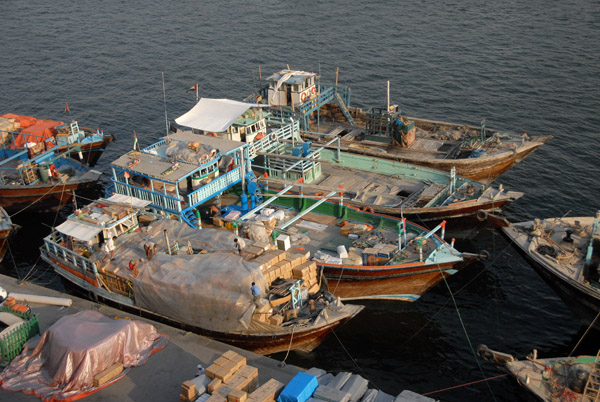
[{"x": 288, "y": 95}]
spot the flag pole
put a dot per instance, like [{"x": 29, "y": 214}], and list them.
[{"x": 165, "y": 102}]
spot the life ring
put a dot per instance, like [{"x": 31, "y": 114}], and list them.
[
  {"x": 53, "y": 171},
  {"x": 313, "y": 90},
  {"x": 212, "y": 134},
  {"x": 367, "y": 208},
  {"x": 212, "y": 154},
  {"x": 303, "y": 96},
  {"x": 481, "y": 215},
  {"x": 259, "y": 136}
]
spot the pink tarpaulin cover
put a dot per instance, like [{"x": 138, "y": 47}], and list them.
[{"x": 77, "y": 347}]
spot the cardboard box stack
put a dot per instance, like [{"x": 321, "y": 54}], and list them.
[
  {"x": 267, "y": 392},
  {"x": 308, "y": 272},
  {"x": 188, "y": 392},
  {"x": 263, "y": 312},
  {"x": 232, "y": 378},
  {"x": 274, "y": 265}
]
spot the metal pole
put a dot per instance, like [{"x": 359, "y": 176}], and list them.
[
  {"x": 167, "y": 240},
  {"x": 388, "y": 97},
  {"x": 165, "y": 103}
]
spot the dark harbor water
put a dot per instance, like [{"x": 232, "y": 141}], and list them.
[{"x": 523, "y": 66}]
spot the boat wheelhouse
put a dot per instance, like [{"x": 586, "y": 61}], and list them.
[
  {"x": 233, "y": 120},
  {"x": 290, "y": 88}
]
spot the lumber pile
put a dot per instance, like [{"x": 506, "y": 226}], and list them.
[{"x": 108, "y": 374}]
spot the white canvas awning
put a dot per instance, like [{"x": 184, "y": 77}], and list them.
[
  {"x": 215, "y": 115},
  {"x": 126, "y": 199},
  {"x": 80, "y": 231}
]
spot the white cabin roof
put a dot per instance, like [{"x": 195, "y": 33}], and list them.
[
  {"x": 214, "y": 115},
  {"x": 80, "y": 231}
]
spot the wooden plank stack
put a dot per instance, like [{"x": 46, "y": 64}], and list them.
[{"x": 108, "y": 374}]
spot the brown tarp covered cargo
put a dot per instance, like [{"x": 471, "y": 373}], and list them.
[{"x": 77, "y": 347}]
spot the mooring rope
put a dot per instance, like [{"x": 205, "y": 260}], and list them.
[
  {"x": 465, "y": 385},
  {"x": 585, "y": 333},
  {"x": 465, "y": 331},
  {"x": 29, "y": 274},
  {"x": 282, "y": 364},
  {"x": 354, "y": 361}
]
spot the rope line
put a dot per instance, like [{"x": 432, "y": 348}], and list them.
[
  {"x": 465, "y": 385},
  {"x": 465, "y": 331},
  {"x": 585, "y": 333},
  {"x": 282, "y": 364},
  {"x": 354, "y": 361},
  {"x": 29, "y": 274}
]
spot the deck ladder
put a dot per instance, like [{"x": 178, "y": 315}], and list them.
[
  {"x": 591, "y": 393},
  {"x": 344, "y": 109}
]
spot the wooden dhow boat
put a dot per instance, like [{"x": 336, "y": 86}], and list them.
[
  {"x": 38, "y": 179},
  {"x": 325, "y": 113},
  {"x": 387, "y": 187},
  {"x": 566, "y": 254},
  {"x": 573, "y": 379},
  {"x": 361, "y": 255},
  {"x": 195, "y": 278},
  {"x": 17, "y": 131}
]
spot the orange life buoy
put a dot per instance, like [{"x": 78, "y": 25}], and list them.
[
  {"x": 303, "y": 96},
  {"x": 313, "y": 90},
  {"x": 212, "y": 134},
  {"x": 259, "y": 136},
  {"x": 212, "y": 153}
]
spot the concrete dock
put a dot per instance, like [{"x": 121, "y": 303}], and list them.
[{"x": 161, "y": 377}]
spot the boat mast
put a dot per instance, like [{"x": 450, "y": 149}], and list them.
[
  {"x": 165, "y": 103},
  {"x": 388, "y": 96}
]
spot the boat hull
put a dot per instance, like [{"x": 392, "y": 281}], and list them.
[
  {"x": 261, "y": 343},
  {"x": 91, "y": 151},
  {"x": 40, "y": 197},
  {"x": 4, "y": 234},
  {"x": 406, "y": 283},
  {"x": 580, "y": 300},
  {"x": 436, "y": 214}
]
